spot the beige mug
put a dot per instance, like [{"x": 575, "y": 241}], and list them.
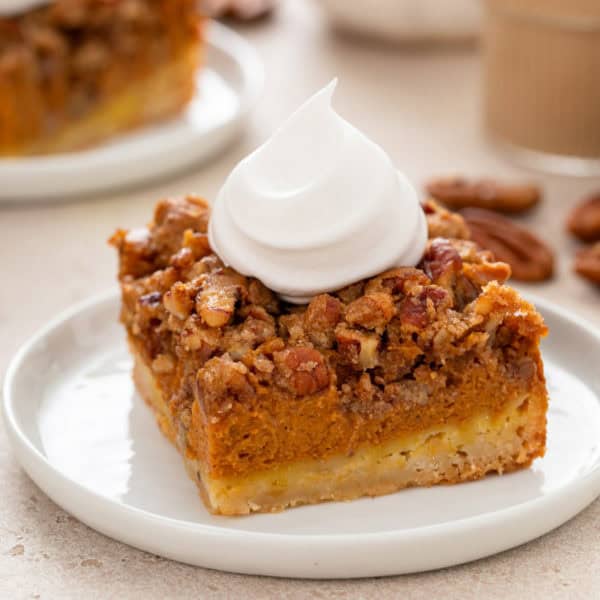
[{"x": 542, "y": 82}]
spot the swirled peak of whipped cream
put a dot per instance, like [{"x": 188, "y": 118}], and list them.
[
  {"x": 9, "y": 8},
  {"x": 317, "y": 207}
]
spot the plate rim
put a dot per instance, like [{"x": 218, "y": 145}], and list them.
[
  {"x": 218, "y": 37},
  {"x": 21, "y": 443}
]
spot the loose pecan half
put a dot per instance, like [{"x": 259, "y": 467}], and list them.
[
  {"x": 584, "y": 220},
  {"x": 587, "y": 263},
  {"x": 263, "y": 296},
  {"x": 458, "y": 192},
  {"x": 529, "y": 258}
]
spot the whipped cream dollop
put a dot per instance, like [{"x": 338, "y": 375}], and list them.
[
  {"x": 9, "y": 8},
  {"x": 317, "y": 207}
]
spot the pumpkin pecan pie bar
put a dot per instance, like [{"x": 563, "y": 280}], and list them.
[
  {"x": 415, "y": 377},
  {"x": 75, "y": 72}
]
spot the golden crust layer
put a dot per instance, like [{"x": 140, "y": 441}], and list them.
[{"x": 250, "y": 385}]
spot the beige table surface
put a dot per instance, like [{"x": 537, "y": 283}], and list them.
[{"x": 422, "y": 106}]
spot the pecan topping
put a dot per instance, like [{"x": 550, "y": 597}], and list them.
[
  {"x": 183, "y": 259},
  {"x": 364, "y": 398},
  {"x": 320, "y": 319},
  {"x": 257, "y": 328},
  {"x": 163, "y": 363},
  {"x": 357, "y": 348},
  {"x": 443, "y": 223},
  {"x": 291, "y": 327},
  {"x": 173, "y": 217},
  {"x": 136, "y": 251},
  {"x": 397, "y": 281},
  {"x": 152, "y": 299},
  {"x": 417, "y": 311},
  {"x": 441, "y": 262},
  {"x": 179, "y": 300},
  {"x": 398, "y": 359},
  {"x": 220, "y": 383},
  {"x": 457, "y": 193},
  {"x": 301, "y": 370},
  {"x": 351, "y": 292},
  {"x": 216, "y": 301},
  {"x": 373, "y": 311},
  {"x": 529, "y": 258},
  {"x": 587, "y": 263},
  {"x": 92, "y": 56},
  {"x": 584, "y": 220},
  {"x": 262, "y": 295},
  {"x": 197, "y": 338},
  {"x": 196, "y": 242},
  {"x": 482, "y": 274}
]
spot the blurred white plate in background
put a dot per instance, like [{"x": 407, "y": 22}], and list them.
[
  {"x": 87, "y": 439},
  {"x": 228, "y": 85}
]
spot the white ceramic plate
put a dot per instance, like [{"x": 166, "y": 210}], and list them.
[
  {"x": 86, "y": 438},
  {"x": 228, "y": 85}
]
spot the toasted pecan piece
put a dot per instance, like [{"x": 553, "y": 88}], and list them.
[
  {"x": 173, "y": 217},
  {"x": 529, "y": 257},
  {"x": 356, "y": 348},
  {"x": 221, "y": 382},
  {"x": 215, "y": 303},
  {"x": 301, "y": 370},
  {"x": 372, "y": 311},
  {"x": 320, "y": 319},
  {"x": 179, "y": 300},
  {"x": 584, "y": 220},
  {"x": 587, "y": 263},
  {"x": 417, "y": 311},
  {"x": 196, "y": 242},
  {"x": 397, "y": 281},
  {"x": 458, "y": 192},
  {"x": 441, "y": 262},
  {"x": 443, "y": 223}
]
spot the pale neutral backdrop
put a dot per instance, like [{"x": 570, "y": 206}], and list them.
[{"x": 423, "y": 107}]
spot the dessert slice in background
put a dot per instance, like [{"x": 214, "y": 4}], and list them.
[
  {"x": 76, "y": 72},
  {"x": 414, "y": 377}
]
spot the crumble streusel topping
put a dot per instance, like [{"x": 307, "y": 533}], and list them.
[{"x": 375, "y": 340}]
